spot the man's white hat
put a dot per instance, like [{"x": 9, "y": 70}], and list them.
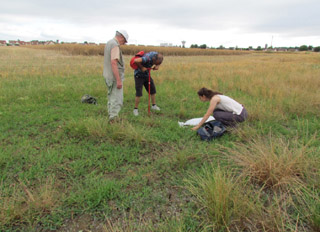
[{"x": 124, "y": 34}]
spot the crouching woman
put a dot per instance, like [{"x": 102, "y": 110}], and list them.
[{"x": 223, "y": 108}]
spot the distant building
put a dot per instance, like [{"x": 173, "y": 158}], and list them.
[
  {"x": 166, "y": 45},
  {"x": 49, "y": 43},
  {"x": 3, "y": 43},
  {"x": 34, "y": 42},
  {"x": 282, "y": 50},
  {"x": 14, "y": 43},
  {"x": 271, "y": 50}
]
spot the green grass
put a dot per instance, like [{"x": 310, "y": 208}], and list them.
[
  {"x": 224, "y": 198},
  {"x": 62, "y": 164}
]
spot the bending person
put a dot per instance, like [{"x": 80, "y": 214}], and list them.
[
  {"x": 223, "y": 108},
  {"x": 151, "y": 60}
]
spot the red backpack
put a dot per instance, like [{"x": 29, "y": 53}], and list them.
[{"x": 138, "y": 55}]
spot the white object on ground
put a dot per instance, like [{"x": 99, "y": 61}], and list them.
[
  {"x": 135, "y": 112},
  {"x": 194, "y": 121}
]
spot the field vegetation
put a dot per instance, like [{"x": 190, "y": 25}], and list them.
[
  {"x": 89, "y": 50},
  {"x": 64, "y": 168}
]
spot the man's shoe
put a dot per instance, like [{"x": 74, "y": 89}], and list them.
[
  {"x": 114, "y": 120},
  {"x": 135, "y": 112},
  {"x": 155, "y": 107}
]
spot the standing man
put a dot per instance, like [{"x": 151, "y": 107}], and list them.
[
  {"x": 150, "y": 60},
  {"x": 113, "y": 73}
]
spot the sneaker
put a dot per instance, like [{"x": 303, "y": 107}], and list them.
[
  {"x": 135, "y": 112},
  {"x": 155, "y": 107}
]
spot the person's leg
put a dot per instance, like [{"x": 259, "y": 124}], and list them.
[
  {"x": 153, "y": 99},
  {"x": 243, "y": 115},
  {"x": 139, "y": 82},
  {"x": 228, "y": 118},
  {"x": 115, "y": 100},
  {"x": 153, "y": 92},
  {"x": 109, "y": 98},
  {"x": 136, "y": 102}
]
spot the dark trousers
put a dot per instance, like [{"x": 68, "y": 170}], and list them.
[
  {"x": 228, "y": 118},
  {"x": 142, "y": 79}
]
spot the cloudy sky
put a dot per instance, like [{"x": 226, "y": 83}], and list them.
[{"x": 230, "y": 23}]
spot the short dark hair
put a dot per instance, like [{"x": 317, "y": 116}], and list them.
[{"x": 158, "y": 58}]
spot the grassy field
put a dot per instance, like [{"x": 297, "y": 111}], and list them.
[{"x": 64, "y": 168}]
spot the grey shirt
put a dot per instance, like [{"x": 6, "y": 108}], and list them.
[{"x": 107, "y": 69}]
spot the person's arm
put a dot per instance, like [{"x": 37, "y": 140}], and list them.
[
  {"x": 156, "y": 67},
  {"x": 114, "y": 56},
  {"x": 114, "y": 67},
  {"x": 138, "y": 62},
  {"x": 213, "y": 102}
]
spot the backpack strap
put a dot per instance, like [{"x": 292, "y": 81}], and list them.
[{"x": 133, "y": 65}]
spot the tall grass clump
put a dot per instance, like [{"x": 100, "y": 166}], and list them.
[
  {"x": 28, "y": 205},
  {"x": 222, "y": 197},
  {"x": 286, "y": 173},
  {"x": 276, "y": 163},
  {"x": 309, "y": 207}
]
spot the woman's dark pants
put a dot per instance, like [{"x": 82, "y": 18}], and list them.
[{"x": 228, "y": 118}]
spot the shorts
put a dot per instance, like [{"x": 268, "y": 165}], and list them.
[{"x": 142, "y": 79}]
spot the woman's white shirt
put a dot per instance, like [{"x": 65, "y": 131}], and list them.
[{"x": 228, "y": 104}]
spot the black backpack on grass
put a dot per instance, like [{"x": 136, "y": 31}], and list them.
[
  {"x": 211, "y": 130},
  {"x": 88, "y": 99}
]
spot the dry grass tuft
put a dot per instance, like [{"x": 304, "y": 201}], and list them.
[
  {"x": 222, "y": 197},
  {"x": 275, "y": 163},
  {"x": 27, "y": 204}
]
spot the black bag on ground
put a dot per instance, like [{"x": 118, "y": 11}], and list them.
[
  {"x": 88, "y": 99},
  {"x": 211, "y": 130}
]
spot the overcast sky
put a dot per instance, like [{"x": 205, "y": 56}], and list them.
[{"x": 229, "y": 23}]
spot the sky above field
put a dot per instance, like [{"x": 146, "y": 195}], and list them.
[{"x": 229, "y": 23}]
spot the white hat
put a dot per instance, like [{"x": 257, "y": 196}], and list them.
[{"x": 124, "y": 34}]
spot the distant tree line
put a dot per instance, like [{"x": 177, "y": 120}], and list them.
[
  {"x": 203, "y": 46},
  {"x": 309, "y": 48},
  {"x": 259, "y": 48}
]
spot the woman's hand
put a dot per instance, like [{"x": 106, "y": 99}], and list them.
[{"x": 195, "y": 128}]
